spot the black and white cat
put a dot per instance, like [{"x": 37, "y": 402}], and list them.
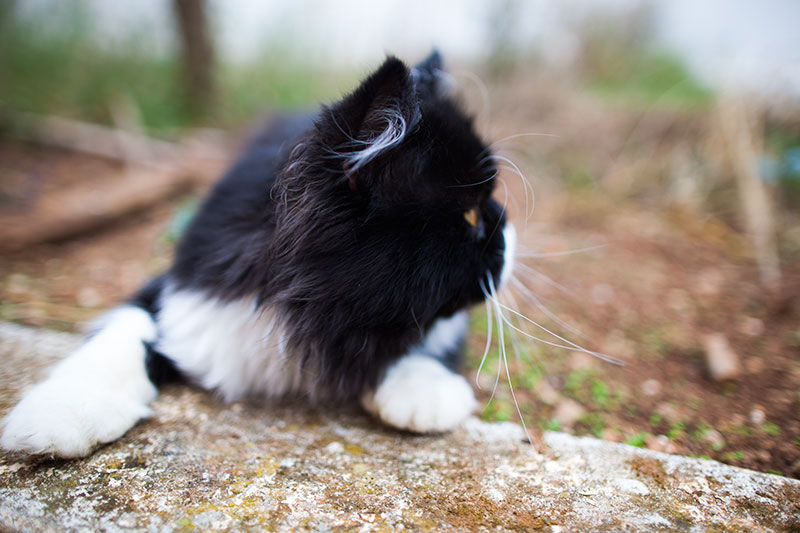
[{"x": 335, "y": 261}]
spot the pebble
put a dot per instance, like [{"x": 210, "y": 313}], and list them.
[
  {"x": 547, "y": 393},
  {"x": 751, "y": 326},
  {"x": 757, "y": 416},
  {"x": 651, "y": 387},
  {"x": 660, "y": 443},
  {"x": 335, "y": 447},
  {"x": 631, "y": 486},
  {"x": 568, "y": 411},
  {"x": 763, "y": 455},
  {"x": 715, "y": 439},
  {"x": 670, "y": 413},
  {"x": 721, "y": 361}
]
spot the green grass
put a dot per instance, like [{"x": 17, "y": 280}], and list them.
[
  {"x": 639, "y": 74},
  {"x": 637, "y": 440},
  {"x": 741, "y": 430},
  {"x": 51, "y": 64}
]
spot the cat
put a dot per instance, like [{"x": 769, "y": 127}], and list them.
[{"x": 335, "y": 261}]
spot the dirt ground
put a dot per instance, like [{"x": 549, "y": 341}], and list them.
[{"x": 644, "y": 280}]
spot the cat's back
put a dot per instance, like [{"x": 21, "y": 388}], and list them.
[{"x": 220, "y": 249}]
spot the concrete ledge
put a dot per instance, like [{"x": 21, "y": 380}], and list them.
[{"x": 201, "y": 465}]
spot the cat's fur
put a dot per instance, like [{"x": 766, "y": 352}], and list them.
[{"x": 334, "y": 261}]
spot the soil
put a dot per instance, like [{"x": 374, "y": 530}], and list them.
[{"x": 654, "y": 279}]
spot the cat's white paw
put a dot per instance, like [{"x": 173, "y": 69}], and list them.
[
  {"x": 67, "y": 419},
  {"x": 419, "y": 394}
]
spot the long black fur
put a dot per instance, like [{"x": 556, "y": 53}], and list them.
[{"x": 360, "y": 259}]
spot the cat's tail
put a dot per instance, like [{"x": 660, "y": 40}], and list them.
[{"x": 93, "y": 396}]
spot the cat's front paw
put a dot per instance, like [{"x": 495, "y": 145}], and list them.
[
  {"x": 63, "y": 418},
  {"x": 419, "y": 394}
]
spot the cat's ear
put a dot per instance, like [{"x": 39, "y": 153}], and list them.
[
  {"x": 372, "y": 120},
  {"x": 429, "y": 75}
]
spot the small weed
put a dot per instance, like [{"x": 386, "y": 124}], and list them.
[
  {"x": 180, "y": 220},
  {"x": 733, "y": 456},
  {"x": 676, "y": 431},
  {"x": 552, "y": 425},
  {"x": 656, "y": 419},
  {"x": 637, "y": 440},
  {"x": 600, "y": 394},
  {"x": 631, "y": 409},
  {"x": 741, "y": 430},
  {"x": 575, "y": 381},
  {"x": 694, "y": 403},
  {"x": 596, "y": 422},
  {"x": 771, "y": 429},
  {"x": 498, "y": 410},
  {"x": 701, "y": 429}
]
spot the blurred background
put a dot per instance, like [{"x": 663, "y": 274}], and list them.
[{"x": 661, "y": 141}]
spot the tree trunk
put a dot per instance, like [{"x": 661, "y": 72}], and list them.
[{"x": 197, "y": 55}]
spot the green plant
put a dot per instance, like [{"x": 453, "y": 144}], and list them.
[
  {"x": 637, "y": 440},
  {"x": 552, "y": 425}
]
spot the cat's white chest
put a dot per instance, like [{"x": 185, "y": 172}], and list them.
[{"x": 233, "y": 347}]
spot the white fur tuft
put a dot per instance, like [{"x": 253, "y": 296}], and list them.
[
  {"x": 446, "y": 334},
  {"x": 233, "y": 347},
  {"x": 510, "y": 238},
  {"x": 419, "y": 394},
  {"x": 94, "y": 396},
  {"x": 394, "y": 133}
]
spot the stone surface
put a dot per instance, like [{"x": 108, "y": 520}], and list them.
[{"x": 201, "y": 465}]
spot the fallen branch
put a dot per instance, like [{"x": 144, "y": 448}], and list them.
[
  {"x": 93, "y": 139},
  {"x": 83, "y": 209}
]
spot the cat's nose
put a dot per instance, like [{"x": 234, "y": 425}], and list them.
[{"x": 509, "y": 252}]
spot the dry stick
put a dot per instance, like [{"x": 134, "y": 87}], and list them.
[
  {"x": 83, "y": 209},
  {"x": 154, "y": 170},
  {"x": 740, "y": 127},
  {"x": 91, "y": 139}
]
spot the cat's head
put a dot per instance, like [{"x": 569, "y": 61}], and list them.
[{"x": 386, "y": 205}]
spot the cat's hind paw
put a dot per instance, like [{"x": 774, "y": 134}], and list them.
[
  {"x": 419, "y": 394},
  {"x": 60, "y": 417}
]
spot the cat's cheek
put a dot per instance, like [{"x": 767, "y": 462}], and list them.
[
  {"x": 419, "y": 394},
  {"x": 509, "y": 252}
]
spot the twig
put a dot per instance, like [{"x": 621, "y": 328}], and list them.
[{"x": 740, "y": 128}]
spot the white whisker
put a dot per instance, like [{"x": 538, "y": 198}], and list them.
[
  {"x": 526, "y": 185},
  {"x": 518, "y": 135},
  {"x": 547, "y": 279},
  {"x": 488, "y": 339},
  {"x": 500, "y": 320},
  {"x": 536, "y": 255},
  {"x": 536, "y": 301},
  {"x": 571, "y": 345}
]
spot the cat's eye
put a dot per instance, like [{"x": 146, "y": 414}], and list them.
[{"x": 471, "y": 216}]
